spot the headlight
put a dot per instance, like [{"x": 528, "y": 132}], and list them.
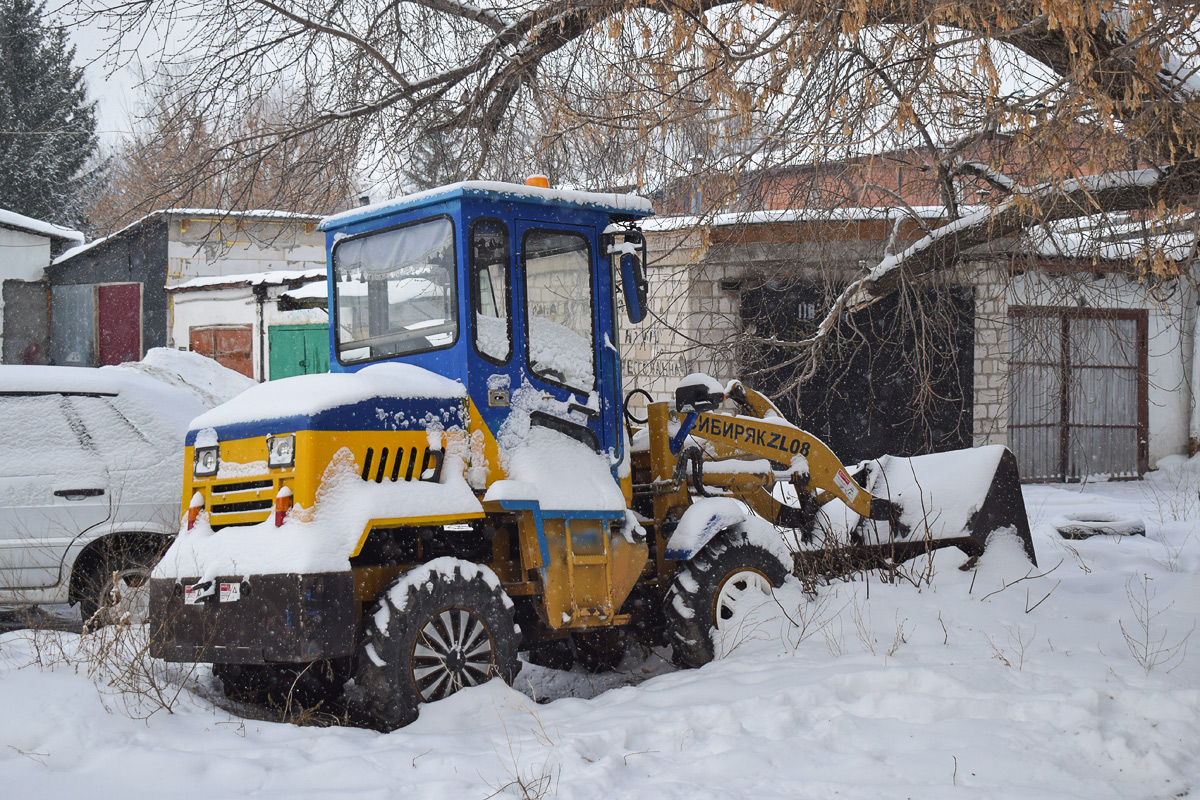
[
  {"x": 207, "y": 461},
  {"x": 281, "y": 451}
]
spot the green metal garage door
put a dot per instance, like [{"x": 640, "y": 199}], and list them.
[{"x": 298, "y": 350}]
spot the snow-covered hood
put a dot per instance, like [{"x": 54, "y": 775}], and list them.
[{"x": 381, "y": 396}]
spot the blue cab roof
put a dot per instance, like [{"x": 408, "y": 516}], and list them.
[{"x": 611, "y": 202}]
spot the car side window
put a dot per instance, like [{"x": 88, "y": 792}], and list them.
[
  {"x": 112, "y": 435},
  {"x": 38, "y": 438}
]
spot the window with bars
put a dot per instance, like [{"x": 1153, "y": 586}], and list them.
[{"x": 1078, "y": 388}]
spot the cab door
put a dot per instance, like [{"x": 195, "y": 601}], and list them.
[{"x": 560, "y": 290}]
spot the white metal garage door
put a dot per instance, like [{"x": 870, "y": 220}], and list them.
[{"x": 1078, "y": 393}]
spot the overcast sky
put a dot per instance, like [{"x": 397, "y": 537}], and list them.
[{"x": 112, "y": 86}]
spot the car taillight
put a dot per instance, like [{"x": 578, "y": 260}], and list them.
[{"x": 283, "y": 503}]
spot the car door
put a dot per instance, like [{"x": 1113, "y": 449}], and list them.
[
  {"x": 560, "y": 314},
  {"x": 53, "y": 487}
]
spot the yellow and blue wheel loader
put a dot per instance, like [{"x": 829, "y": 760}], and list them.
[{"x": 468, "y": 483}]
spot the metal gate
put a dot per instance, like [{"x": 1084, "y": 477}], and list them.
[
  {"x": 1078, "y": 389},
  {"x": 886, "y": 384},
  {"x": 297, "y": 350},
  {"x": 229, "y": 345},
  {"x": 26, "y": 315}
]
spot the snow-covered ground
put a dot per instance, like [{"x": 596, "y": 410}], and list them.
[{"x": 1075, "y": 682}]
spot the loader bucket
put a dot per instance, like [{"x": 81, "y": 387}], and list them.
[{"x": 952, "y": 499}]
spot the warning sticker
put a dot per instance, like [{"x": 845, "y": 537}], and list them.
[
  {"x": 194, "y": 594},
  {"x": 846, "y": 485},
  {"x": 231, "y": 592}
]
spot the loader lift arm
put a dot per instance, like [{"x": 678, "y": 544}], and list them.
[{"x": 758, "y": 430}]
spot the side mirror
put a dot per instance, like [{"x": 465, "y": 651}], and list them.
[
  {"x": 626, "y": 246},
  {"x": 633, "y": 279}
]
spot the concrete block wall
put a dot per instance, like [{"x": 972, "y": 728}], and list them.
[
  {"x": 693, "y": 321},
  {"x": 992, "y": 348},
  {"x": 203, "y": 246}
]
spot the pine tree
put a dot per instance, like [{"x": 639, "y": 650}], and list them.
[{"x": 47, "y": 125}]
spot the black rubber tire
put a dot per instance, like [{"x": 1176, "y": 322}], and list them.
[
  {"x": 691, "y": 603},
  {"x": 103, "y": 602},
  {"x": 468, "y": 609},
  {"x": 600, "y": 650}
]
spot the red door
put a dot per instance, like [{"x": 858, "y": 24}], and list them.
[
  {"x": 229, "y": 345},
  {"x": 118, "y": 323}
]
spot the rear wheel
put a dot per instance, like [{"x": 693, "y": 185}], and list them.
[
  {"x": 730, "y": 571},
  {"x": 449, "y": 629},
  {"x": 115, "y": 589}
]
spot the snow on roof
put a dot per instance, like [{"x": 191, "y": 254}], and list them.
[
  {"x": 208, "y": 380},
  {"x": 273, "y": 278},
  {"x": 309, "y": 291},
  {"x": 604, "y": 201},
  {"x": 76, "y": 380},
  {"x": 848, "y": 214},
  {"x": 217, "y": 213},
  {"x": 11, "y": 219},
  {"x": 1113, "y": 238}
]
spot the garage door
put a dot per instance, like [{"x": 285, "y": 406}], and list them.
[
  {"x": 229, "y": 345},
  {"x": 1078, "y": 384},
  {"x": 297, "y": 350}
]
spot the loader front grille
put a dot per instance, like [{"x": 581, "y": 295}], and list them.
[
  {"x": 246, "y": 502},
  {"x": 238, "y": 508},
  {"x": 397, "y": 463},
  {"x": 243, "y": 486}
]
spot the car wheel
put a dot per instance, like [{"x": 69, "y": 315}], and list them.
[
  {"x": 705, "y": 594},
  {"x": 431, "y": 637},
  {"x": 115, "y": 589}
]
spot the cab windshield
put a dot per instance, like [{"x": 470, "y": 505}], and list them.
[{"x": 395, "y": 292}]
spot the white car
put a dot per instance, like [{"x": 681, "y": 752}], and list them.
[{"x": 91, "y": 467}]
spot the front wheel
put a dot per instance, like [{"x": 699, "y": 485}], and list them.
[
  {"x": 704, "y": 595},
  {"x": 441, "y": 627}
]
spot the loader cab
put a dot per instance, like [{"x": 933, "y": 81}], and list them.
[{"x": 510, "y": 289}]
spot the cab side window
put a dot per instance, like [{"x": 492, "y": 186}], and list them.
[
  {"x": 490, "y": 295},
  {"x": 558, "y": 296}
]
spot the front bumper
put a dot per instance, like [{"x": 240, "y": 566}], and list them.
[{"x": 284, "y": 618}]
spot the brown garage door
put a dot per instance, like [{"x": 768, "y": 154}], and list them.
[{"x": 228, "y": 345}]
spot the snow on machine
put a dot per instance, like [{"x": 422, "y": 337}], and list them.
[{"x": 461, "y": 487}]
